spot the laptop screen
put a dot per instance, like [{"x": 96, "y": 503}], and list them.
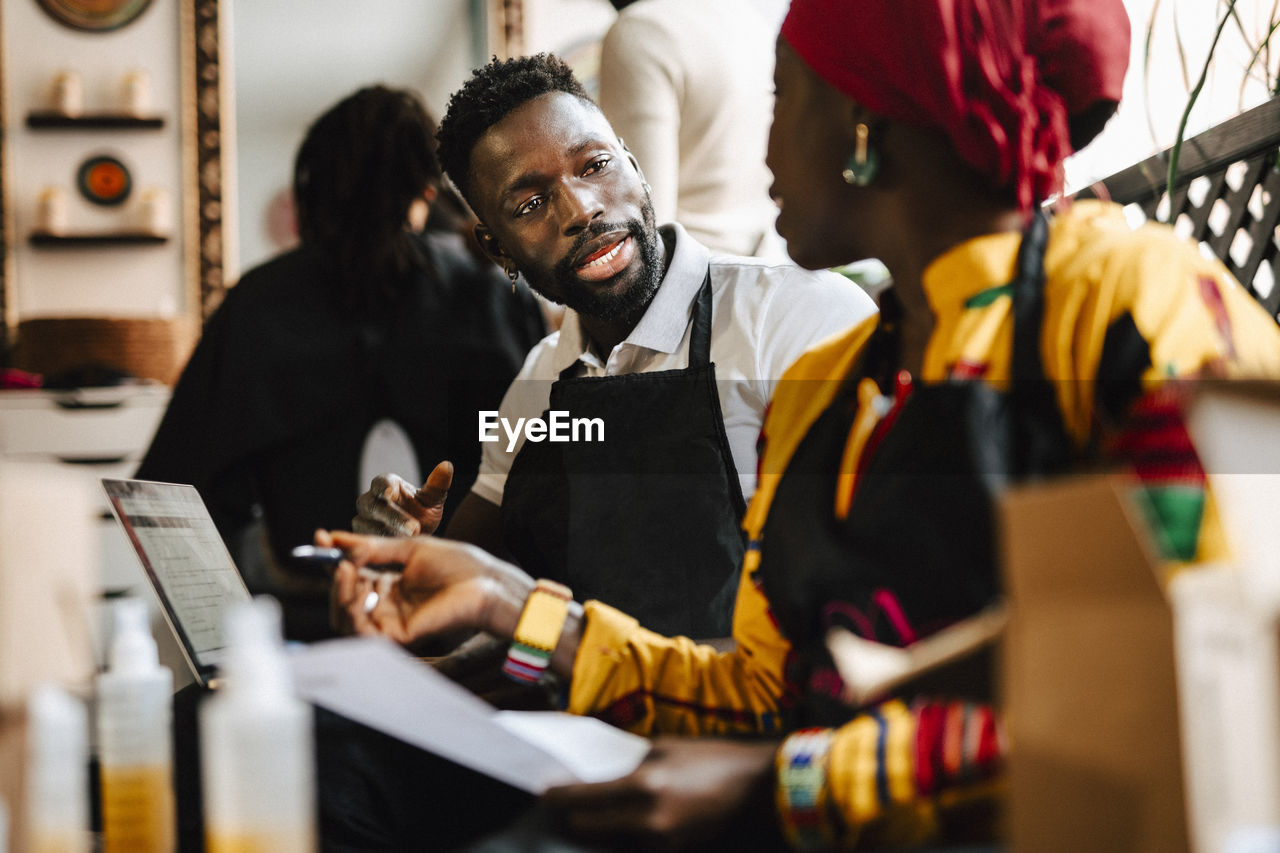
[{"x": 185, "y": 561}]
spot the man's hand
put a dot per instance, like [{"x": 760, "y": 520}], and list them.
[
  {"x": 687, "y": 792},
  {"x": 393, "y": 507},
  {"x": 444, "y": 587}
]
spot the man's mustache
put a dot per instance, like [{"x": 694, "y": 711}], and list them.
[{"x": 565, "y": 265}]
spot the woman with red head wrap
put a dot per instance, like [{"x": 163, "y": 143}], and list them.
[{"x": 927, "y": 134}]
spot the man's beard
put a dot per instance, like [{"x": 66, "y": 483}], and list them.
[{"x": 629, "y": 302}]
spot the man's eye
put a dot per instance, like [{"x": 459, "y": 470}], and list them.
[
  {"x": 596, "y": 165},
  {"x": 529, "y": 206}
]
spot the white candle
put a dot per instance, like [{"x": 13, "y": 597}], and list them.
[
  {"x": 137, "y": 93},
  {"x": 156, "y": 213},
  {"x": 68, "y": 95},
  {"x": 52, "y": 214}
]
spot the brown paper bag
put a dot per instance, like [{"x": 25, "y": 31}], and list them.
[{"x": 1089, "y": 680}]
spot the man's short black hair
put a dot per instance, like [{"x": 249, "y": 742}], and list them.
[{"x": 493, "y": 91}]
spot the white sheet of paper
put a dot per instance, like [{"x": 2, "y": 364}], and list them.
[
  {"x": 377, "y": 683},
  {"x": 591, "y": 749}
]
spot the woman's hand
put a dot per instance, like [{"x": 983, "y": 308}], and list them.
[
  {"x": 394, "y": 507},
  {"x": 688, "y": 791},
  {"x": 443, "y": 587}
]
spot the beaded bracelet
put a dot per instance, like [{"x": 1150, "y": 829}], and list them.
[
  {"x": 537, "y": 632},
  {"x": 802, "y": 789}
]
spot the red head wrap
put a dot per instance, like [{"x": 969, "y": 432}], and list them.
[{"x": 998, "y": 77}]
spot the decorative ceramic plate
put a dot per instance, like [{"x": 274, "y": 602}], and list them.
[
  {"x": 104, "y": 180},
  {"x": 94, "y": 14}
]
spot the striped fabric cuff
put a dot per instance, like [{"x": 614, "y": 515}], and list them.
[
  {"x": 802, "y": 790},
  {"x": 956, "y": 743}
]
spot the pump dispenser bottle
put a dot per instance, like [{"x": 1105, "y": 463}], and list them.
[
  {"x": 135, "y": 741},
  {"x": 257, "y": 744}
]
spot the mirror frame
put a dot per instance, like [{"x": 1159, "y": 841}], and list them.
[{"x": 202, "y": 152}]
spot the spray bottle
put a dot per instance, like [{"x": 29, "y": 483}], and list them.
[
  {"x": 57, "y": 783},
  {"x": 256, "y": 744},
  {"x": 135, "y": 740}
]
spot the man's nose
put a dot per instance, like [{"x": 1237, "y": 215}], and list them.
[{"x": 580, "y": 205}]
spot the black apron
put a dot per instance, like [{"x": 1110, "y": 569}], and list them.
[
  {"x": 917, "y": 550},
  {"x": 648, "y": 520}
]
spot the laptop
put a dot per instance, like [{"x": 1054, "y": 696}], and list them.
[{"x": 186, "y": 563}]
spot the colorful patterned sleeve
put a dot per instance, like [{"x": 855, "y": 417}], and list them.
[
  {"x": 649, "y": 684},
  {"x": 896, "y": 774}
]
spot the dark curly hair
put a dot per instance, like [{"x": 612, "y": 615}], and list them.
[
  {"x": 356, "y": 173},
  {"x": 493, "y": 91}
]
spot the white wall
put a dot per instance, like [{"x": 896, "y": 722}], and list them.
[
  {"x": 295, "y": 58},
  {"x": 117, "y": 280}
]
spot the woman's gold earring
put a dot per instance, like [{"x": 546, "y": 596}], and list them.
[
  {"x": 864, "y": 164},
  {"x": 513, "y": 274}
]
